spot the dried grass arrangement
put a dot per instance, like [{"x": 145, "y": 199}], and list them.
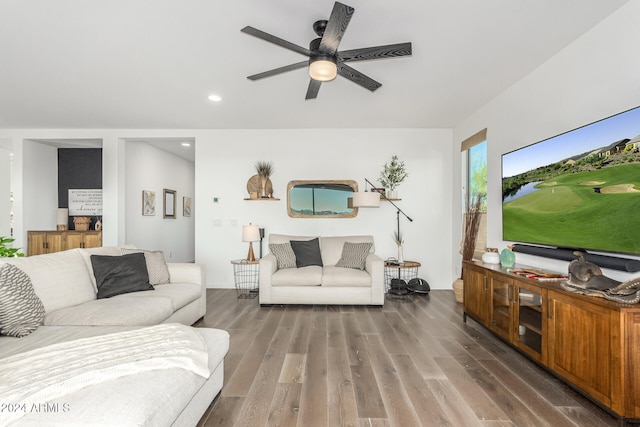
[{"x": 471, "y": 226}]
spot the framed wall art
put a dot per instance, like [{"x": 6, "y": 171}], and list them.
[
  {"x": 186, "y": 206},
  {"x": 169, "y": 204},
  {"x": 148, "y": 203}
]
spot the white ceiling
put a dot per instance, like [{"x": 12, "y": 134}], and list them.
[{"x": 150, "y": 64}]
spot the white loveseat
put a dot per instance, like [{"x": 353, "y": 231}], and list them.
[
  {"x": 165, "y": 395},
  {"x": 326, "y": 284}
]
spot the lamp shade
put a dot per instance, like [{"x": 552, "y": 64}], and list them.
[
  {"x": 250, "y": 233},
  {"x": 366, "y": 199}
]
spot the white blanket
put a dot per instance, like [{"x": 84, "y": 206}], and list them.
[{"x": 38, "y": 376}]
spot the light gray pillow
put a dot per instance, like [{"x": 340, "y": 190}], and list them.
[
  {"x": 156, "y": 265},
  {"x": 354, "y": 255},
  {"x": 21, "y": 311},
  {"x": 284, "y": 254}
]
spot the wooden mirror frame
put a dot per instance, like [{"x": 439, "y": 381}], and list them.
[{"x": 292, "y": 184}]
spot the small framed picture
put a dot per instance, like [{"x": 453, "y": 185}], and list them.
[
  {"x": 169, "y": 204},
  {"x": 186, "y": 206},
  {"x": 148, "y": 203}
]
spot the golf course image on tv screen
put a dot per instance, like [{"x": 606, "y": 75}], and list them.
[{"x": 580, "y": 189}]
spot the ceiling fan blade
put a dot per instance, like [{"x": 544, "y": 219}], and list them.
[
  {"x": 357, "y": 77},
  {"x": 314, "y": 87},
  {"x": 376, "y": 52},
  {"x": 280, "y": 70},
  {"x": 275, "y": 40},
  {"x": 337, "y": 25}
]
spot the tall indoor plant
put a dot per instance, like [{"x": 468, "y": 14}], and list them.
[
  {"x": 392, "y": 175},
  {"x": 469, "y": 237}
]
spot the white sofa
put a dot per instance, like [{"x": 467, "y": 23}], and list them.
[
  {"x": 65, "y": 284},
  {"x": 326, "y": 284}
]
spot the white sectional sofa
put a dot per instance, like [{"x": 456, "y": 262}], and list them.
[
  {"x": 328, "y": 283},
  {"x": 170, "y": 391}
]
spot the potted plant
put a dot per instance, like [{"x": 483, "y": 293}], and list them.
[
  {"x": 392, "y": 175},
  {"x": 264, "y": 170},
  {"x": 6, "y": 251}
]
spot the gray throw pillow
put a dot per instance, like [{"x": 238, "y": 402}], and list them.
[
  {"x": 21, "y": 311},
  {"x": 117, "y": 275},
  {"x": 307, "y": 252},
  {"x": 156, "y": 265},
  {"x": 284, "y": 254},
  {"x": 354, "y": 255}
]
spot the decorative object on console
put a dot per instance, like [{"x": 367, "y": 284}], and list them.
[
  {"x": 392, "y": 175},
  {"x": 98, "y": 225},
  {"x": 491, "y": 256},
  {"x": 62, "y": 219},
  {"x": 507, "y": 258},
  {"x": 250, "y": 233},
  {"x": 81, "y": 223}
]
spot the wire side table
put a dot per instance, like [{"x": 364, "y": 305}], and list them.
[
  {"x": 406, "y": 271},
  {"x": 246, "y": 275}
]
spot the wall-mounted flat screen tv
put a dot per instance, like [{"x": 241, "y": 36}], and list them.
[{"x": 577, "y": 190}]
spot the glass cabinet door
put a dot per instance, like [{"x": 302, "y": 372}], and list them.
[
  {"x": 529, "y": 312},
  {"x": 501, "y": 306}
]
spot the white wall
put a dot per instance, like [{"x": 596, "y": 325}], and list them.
[
  {"x": 39, "y": 186},
  {"x": 148, "y": 168},
  {"x": 595, "y": 77},
  {"x": 5, "y": 190},
  {"x": 225, "y": 161}
]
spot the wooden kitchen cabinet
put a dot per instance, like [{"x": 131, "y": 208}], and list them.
[
  {"x": 590, "y": 342},
  {"x": 44, "y": 242}
]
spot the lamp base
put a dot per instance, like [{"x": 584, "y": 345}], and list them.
[{"x": 250, "y": 255}]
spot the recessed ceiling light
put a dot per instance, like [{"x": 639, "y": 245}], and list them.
[
  {"x": 215, "y": 98},
  {"x": 186, "y": 144}
]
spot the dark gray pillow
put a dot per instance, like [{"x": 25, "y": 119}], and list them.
[
  {"x": 307, "y": 252},
  {"x": 123, "y": 274}
]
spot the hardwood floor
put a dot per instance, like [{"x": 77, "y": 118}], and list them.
[{"x": 410, "y": 363}]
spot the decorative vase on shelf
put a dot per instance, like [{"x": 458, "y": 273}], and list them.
[{"x": 400, "y": 255}]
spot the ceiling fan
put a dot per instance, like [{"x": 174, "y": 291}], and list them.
[{"x": 325, "y": 61}]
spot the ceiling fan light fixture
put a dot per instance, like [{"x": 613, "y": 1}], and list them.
[{"x": 323, "y": 69}]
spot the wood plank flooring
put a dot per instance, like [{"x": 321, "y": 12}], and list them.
[{"x": 410, "y": 363}]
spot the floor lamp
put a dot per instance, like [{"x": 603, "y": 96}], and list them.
[{"x": 371, "y": 199}]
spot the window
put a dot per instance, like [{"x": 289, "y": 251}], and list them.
[{"x": 474, "y": 161}]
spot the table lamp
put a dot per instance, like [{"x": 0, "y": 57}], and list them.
[
  {"x": 250, "y": 233},
  {"x": 62, "y": 219}
]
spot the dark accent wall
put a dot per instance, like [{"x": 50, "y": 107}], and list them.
[{"x": 78, "y": 168}]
